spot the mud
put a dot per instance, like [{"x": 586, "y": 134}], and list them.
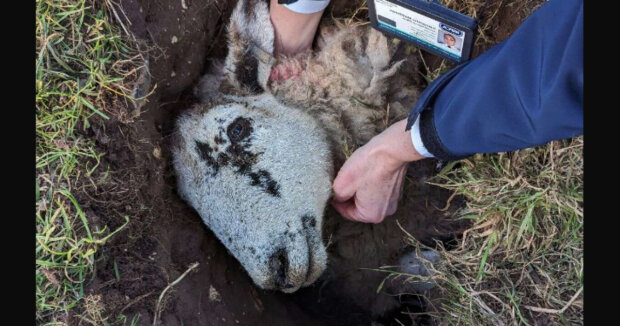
[{"x": 165, "y": 236}]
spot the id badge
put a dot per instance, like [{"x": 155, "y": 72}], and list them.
[{"x": 426, "y": 24}]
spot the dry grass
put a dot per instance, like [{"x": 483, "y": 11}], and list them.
[{"x": 521, "y": 262}]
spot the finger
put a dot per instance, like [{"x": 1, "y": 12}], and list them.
[
  {"x": 352, "y": 210},
  {"x": 344, "y": 186},
  {"x": 343, "y": 209}
]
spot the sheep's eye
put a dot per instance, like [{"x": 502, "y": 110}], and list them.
[{"x": 239, "y": 129}]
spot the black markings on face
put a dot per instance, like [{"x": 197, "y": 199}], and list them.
[
  {"x": 219, "y": 140},
  {"x": 263, "y": 179},
  {"x": 238, "y": 155},
  {"x": 206, "y": 153},
  {"x": 308, "y": 221},
  {"x": 278, "y": 263},
  {"x": 247, "y": 72},
  {"x": 242, "y": 159}
]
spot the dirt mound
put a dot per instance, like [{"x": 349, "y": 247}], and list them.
[{"x": 165, "y": 236}]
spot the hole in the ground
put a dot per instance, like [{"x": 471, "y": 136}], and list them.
[{"x": 346, "y": 294}]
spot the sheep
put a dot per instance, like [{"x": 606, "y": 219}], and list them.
[{"x": 256, "y": 157}]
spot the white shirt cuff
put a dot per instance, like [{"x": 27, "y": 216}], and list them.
[
  {"x": 307, "y": 6},
  {"x": 417, "y": 139}
]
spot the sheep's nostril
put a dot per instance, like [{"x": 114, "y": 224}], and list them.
[{"x": 278, "y": 264}]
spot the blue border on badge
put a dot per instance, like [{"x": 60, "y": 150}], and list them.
[{"x": 418, "y": 40}]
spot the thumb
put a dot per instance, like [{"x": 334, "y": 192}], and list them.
[
  {"x": 344, "y": 185},
  {"x": 344, "y": 208},
  {"x": 351, "y": 211}
]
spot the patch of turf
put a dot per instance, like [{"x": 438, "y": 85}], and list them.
[
  {"x": 84, "y": 69},
  {"x": 521, "y": 262}
]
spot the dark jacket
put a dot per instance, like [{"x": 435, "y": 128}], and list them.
[{"x": 523, "y": 92}]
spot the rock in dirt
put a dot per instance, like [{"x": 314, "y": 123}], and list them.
[{"x": 214, "y": 295}]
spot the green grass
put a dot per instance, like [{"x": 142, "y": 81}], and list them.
[
  {"x": 521, "y": 261},
  {"x": 83, "y": 66}
]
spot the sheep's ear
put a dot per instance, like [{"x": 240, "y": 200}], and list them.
[{"x": 250, "y": 47}]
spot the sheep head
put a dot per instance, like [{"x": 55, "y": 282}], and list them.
[{"x": 257, "y": 167}]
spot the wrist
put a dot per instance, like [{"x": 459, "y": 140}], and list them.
[
  {"x": 395, "y": 146},
  {"x": 294, "y": 31}
]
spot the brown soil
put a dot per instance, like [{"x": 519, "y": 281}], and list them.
[{"x": 165, "y": 236}]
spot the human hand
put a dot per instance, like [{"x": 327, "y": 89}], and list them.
[
  {"x": 294, "y": 32},
  {"x": 368, "y": 185}
]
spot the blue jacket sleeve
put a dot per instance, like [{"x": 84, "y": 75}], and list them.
[{"x": 523, "y": 92}]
